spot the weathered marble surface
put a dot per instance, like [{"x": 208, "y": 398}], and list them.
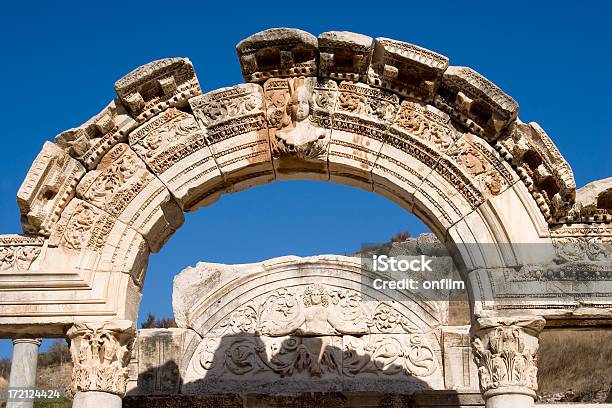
[{"x": 390, "y": 117}]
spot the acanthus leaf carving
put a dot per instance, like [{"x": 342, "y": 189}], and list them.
[
  {"x": 505, "y": 352},
  {"x": 100, "y": 353}
]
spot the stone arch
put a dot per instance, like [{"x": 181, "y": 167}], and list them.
[{"x": 383, "y": 115}]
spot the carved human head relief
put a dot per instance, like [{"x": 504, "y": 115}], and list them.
[{"x": 299, "y": 104}]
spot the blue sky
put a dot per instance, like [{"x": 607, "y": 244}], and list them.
[{"x": 61, "y": 59}]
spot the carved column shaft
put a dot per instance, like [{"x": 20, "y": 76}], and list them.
[
  {"x": 100, "y": 354},
  {"x": 23, "y": 368},
  {"x": 505, "y": 353}
]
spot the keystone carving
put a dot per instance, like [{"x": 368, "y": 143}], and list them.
[
  {"x": 505, "y": 352},
  {"x": 298, "y": 112},
  {"x": 47, "y": 189},
  {"x": 100, "y": 353}
]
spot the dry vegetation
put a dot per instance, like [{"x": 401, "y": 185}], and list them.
[{"x": 575, "y": 365}]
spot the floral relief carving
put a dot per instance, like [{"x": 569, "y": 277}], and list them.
[
  {"x": 117, "y": 168},
  {"x": 100, "y": 353},
  {"x": 594, "y": 249},
  {"x": 317, "y": 331},
  {"x": 388, "y": 355},
  {"x": 168, "y": 133},
  {"x": 284, "y": 356},
  {"x": 425, "y": 123},
  {"x": 315, "y": 310},
  {"x": 78, "y": 227}
]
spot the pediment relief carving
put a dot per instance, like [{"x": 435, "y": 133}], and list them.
[{"x": 314, "y": 310}]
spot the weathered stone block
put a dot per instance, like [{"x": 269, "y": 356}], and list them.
[
  {"x": 156, "y": 86},
  {"x": 47, "y": 188},
  {"x": 236, "y": 132},
  {"x": 344, "y": 55},
  {"x": 90, "y": 141},
  {"x": 359, "y": 128},
  {"x": 414, "y": 144},
  {"x": 278, "y": 52},
  {"x": 407, "y": 69},
  {"x": 476, "y": 102},
  {"x": 541, "y": 167}
]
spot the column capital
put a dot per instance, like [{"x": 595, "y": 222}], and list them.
[
  {"x": 505, "y": 351},
  {"x": 36, "y": 342},
  {"x": 100, "y": 353}
]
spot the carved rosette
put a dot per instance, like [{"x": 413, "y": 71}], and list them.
[
  {"x": 100, "y": 353},
  {"x": 505, "y": 353}
]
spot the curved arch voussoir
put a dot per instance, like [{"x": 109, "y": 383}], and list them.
[{"x": 382, "y": 115}]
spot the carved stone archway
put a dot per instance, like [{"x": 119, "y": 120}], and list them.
[{"x": 383, "y": 115}]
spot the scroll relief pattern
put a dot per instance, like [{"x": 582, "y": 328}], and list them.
[
  {"x": 579, "y": 259},
  {"x": 315, "y": 330}
]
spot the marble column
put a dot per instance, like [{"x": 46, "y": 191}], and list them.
[
  {"x": 505, "y": 351},
  {"x": 23, "y": 368},
  {"x": 100, "y": 354}
]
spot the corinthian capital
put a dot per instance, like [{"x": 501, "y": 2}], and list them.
[
  {"x": 100, "y": 354},
  {"x": 505, "y": 353}
]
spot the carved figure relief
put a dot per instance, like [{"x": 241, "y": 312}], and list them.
[
  {"x": 18, "y": 252},
  {"x": 425, "y": 123},
  {"x": 230, "y": 112},
  {"x": 116, "y": 170},
  {"x": 314, "y": 331},
  {"x": 315, "y": 310},
  {"x": 488, "y": 172},
  {"x": 166, "y": 139},
  {"x": 289, "y": 104}
]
